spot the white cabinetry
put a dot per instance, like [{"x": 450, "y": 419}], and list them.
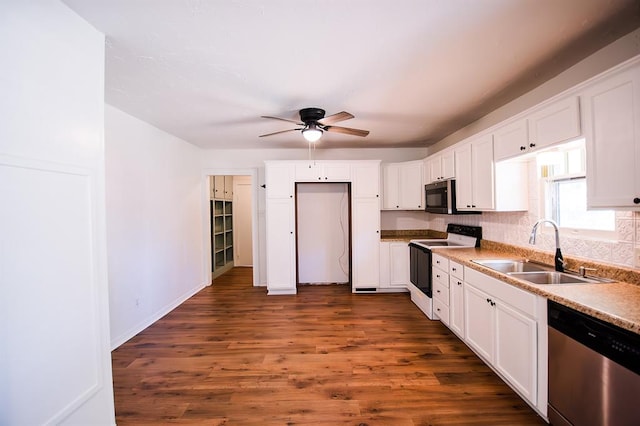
[
  {"x": 394, "y": 264},
  {"x": 221, "y": 187},
  {"x": 365, "y": 225},
  {"x": 439, "y": 167},
  {"x": 403, "y": 186},
  {"x": 474, "y": 175},
  {"x": 511, "y": 140},
  {"x": 366, "y": 243},
  {"x": 456, "y": 298},
  {"x": 548, "y": 125},
  {"x": 484, "y": 185},
  {"x": 501, "y": 326},
  {"x": 440, "y": 282},
  {"x": 280, "y": 228},
  {"x": 280, "y": 178},
  {"x": 553, "y": 123},
  {"x": 308, "y": 171},
  {"x": 611, "y": 111}
]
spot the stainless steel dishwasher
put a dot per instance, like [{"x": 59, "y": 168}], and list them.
[{"x": 594, "y": 370}]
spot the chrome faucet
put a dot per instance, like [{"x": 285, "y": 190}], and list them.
[{"x": 559, "y": 261}]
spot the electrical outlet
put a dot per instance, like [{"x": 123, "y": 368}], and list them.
[{"x": 637, "y": 257}]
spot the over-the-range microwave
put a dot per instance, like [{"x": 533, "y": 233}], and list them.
[{"x": 440, "y": 197}]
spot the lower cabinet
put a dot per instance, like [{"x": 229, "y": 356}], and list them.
[
  {"x": 501, "y": 326},
  {"x": 456, "y": 299},
  {"x": 394, "y": 264}
]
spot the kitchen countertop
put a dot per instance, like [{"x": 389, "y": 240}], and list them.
[
  {"x": 407, "y": 235},
  {"x": 617, "y": 303}
]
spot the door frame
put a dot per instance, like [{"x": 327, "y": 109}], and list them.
[{"x": 207, "y": 274}]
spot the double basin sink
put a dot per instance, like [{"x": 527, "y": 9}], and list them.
[{"x": 536, "y": 273}]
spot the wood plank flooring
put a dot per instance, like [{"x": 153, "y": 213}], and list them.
[{"x": 231, "y": 355}]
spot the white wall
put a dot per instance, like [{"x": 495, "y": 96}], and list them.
[
  {"x": 154, "y": 224},
  {"x": 54, "y": 320}
]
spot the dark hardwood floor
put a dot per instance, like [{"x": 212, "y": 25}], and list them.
[{"x": 231, "y": 355}]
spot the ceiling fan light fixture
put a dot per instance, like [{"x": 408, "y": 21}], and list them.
[{"x": 312, "y": 133}]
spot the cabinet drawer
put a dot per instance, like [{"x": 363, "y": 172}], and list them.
[
  {"x": 440, "y": 277},
  {"x": 441, "y": 311},
  {"x": 456, "y": 270},
  {"x": 440, "y": 262},
  {"x": 441, "y": 293}
]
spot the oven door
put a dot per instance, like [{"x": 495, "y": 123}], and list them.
[{"x": 420, "y": 268}]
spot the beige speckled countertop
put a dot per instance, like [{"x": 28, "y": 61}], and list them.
[
  {"x": 410, "y": 234},
  {"x": 617, "y": 303}
]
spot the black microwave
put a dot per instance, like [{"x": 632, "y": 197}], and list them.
[{"x": 440, "y": 197}]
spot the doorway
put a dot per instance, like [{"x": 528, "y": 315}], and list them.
[
  {"x": 323, "y": 235},
  {"x": 231, "y": 222}
]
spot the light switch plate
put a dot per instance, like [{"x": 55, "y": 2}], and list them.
[{"x": 637, "y": 257}]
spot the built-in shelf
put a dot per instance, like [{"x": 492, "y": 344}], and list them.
[{"x": 221, "y": 235}]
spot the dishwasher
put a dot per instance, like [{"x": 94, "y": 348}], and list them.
[{"x": 594, "y": 370}]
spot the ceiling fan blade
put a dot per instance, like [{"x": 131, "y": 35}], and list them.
[
  {"x": 334, "y": 118},
  {"x": 298, "y": 122},
  {"x": 281, "y": 131},
  {"x": 346, "y": 130}
]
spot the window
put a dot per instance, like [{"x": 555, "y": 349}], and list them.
[{"x": 564, "y": 185}]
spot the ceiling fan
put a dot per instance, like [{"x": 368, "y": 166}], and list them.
[{"x": 314, "y": 123}]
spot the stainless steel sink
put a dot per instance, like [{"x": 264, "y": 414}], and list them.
[
  {"x": 553, "y": 277},
  {"x": 507, "y": 266},
  {"x": 536, "y": 273}
]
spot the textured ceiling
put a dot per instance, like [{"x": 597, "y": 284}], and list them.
[{"x": 411, "y": 71}]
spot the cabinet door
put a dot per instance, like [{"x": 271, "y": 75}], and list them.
[
  {"x": 456, "y": 306},
  {"x": 366, "y": 243},
  {"x": 511, "y": 140},
  {"x": 281, "y": 262},
  {"x": 390, "y": 185},
  {"x": 385, "y": 272},
  {"x": 218, "y": 187},
  {"x": 482, "y": 172},
  {"x": 307, "y": 171},
  {"x": 464, "y": 179},
  {"x": 516, "y": 350},
  {"x": 411, "y": 190},
  {"x": 366, "y": 180},
  {"x": 228, "y": 188},
  {"x": 279, "y": 180},
  {"x": 555, "y": 123},
  {"x": 436, "y": 168},
  {"x": 612, "y": 130},
  {"x": 478, "y": 321},
  {"x": 336, "y": 172},
  {"x": 447, "y": 164},
  {"x": 398, "y": 264}
]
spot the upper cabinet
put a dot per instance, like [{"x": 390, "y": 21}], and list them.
[
  {"x": 365, "y": 176},
  {"x": 474, "y": 174},
  {"x": 551, "y": 124},
  {"x": 308, "y": 171},
  {"x": 611, "y": 115},
  {"x": 439, "y": 167},
  {"x": 557, "y": 122},
  {"x": 221, "y": 187},
  {"x": 484, "y": 185},
  {"x": 403, "y": 187}
]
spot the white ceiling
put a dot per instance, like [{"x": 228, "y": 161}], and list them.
[{"x": 411, "y": 71}]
